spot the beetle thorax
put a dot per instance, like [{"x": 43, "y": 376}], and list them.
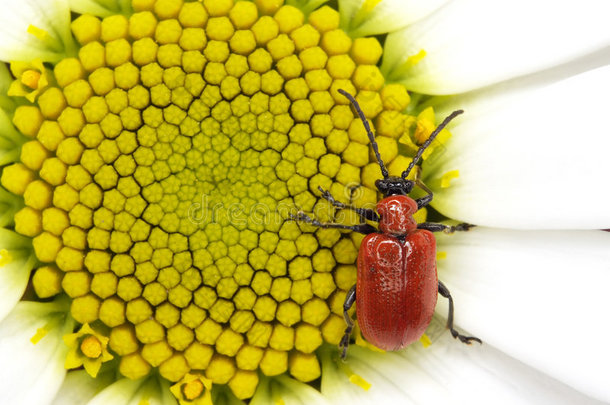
[{"x": 396, "y": 214}]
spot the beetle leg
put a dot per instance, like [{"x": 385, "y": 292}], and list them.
[
  {"x": 362, "y": 228},
  {"x": 434, "y": 227},
  {"x": 364, "y": 213},
  {"x": 442, "y": 290},
  {"x": 350, "y": 298}
]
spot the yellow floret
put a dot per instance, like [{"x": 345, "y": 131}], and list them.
[
  {"x": 126, "y": 76},
  {"x": 28, "y": 222},
  {"x": 318, "y": 80},
  {"x": 370, "y": 102},
  {"x": 336, "y": 42},
  {"x": 167, "y": 8},
  {"x": 15, "y": 178},
  {"x": 74, "y": 237},
  {"x": 53, "y": 171},
  {"x": 86, "y": 28},
  {"x": 102, "y": 81},
  {"x": 112, "y": 313},
  {"x": 28, "y": 120},
  {"x": 193, "y": 15},
  {"x": 243, "y": 15},
  {"x": 123, "y": 339},
  {"x": 269, "y": 6},
  {"x": 33, "y": 154},
  {"x": 68, "y": 71},
  {"x": 265, "y": 29},
  {"x": 274, "y": 362},
  {"x": 169, "y": 55},
  {"x": 280, "y": 47},
  {"x": 38, "y": 195},
  {"x": 366, "y": 51},
  {"x": 142, "y": 25},
  {"x": 198, "y": 356},
  {"x": 315, "y": 311},
  {"x": 168, "y": 32},
  {"x": 290, "y": 67},
  {"x": 313, "y": 58},
  {"x": 92, "y": 56},
  {"x": 368, "y": 77},
  {"x": 217, "y": 51},
  {"x": 289, "y": 313},
  {"x": 260, "y": 61},
  {"x": 69, "y": 259},
  {"x": 193, "y": 39},
  {"x": 118, "y": 52},
  {"x": 174, "y": 368},
  {"x": 133, "y": 366},
  {"x": 47, "y": 281},
  {"x": 51, "y": 103},
  {"x": 333, "y": 329},
  {"x": 46, "y": 247},
  {"x": 395, "y": 97},
  {"x": 145, "y": 52},
  {"x": 219, "y": 28},
  {"x": 81, "y": 216},
  {"x": 325, "y": 19},
  {"x": 244, "y": 384},
  {"x": 218, "y": 7},
  {"x": 76, "y": 283},
  {"x": 243, "y": 41},
  {"x": 220, "y": 370},
  {"x": 304, "y": 367},
  {"x": 142, "y": 5},
  {"x": 71, "y": 121},
  {"x": 78, "y": 93},
  {"x": 289, "y": 18},
  {"x": 50, "y": 135},
  {"x": 114, "y": 27},
  {"x": 305, "y": 37},
  {"x": 156, "y": 353},
  {"x": 85, "y": 309}
]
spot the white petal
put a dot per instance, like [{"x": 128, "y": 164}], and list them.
[
  {"x": 444, "y": 373},
  {"x": 287, "y": 390},
  {"x": 386, "y": 16},
  {"x": 474, "y": 43},
  {"x": 529, "y": 157},
  {"x": 31, "y": 373},
  {"x": 79, "y": 387},
  {"x": 15, "y": 274},
  {"x": 134, "y": 392},
  {"x": 52, "y": 16},
  {"x": 533, "y": 295}
]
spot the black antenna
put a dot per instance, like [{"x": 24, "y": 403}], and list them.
[
  {"x": 384, "y": 171},
  {"x": 433, "y": 135}
]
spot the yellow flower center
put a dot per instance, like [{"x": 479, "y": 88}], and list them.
[
  {"x": 162, "y": 168},
  {"x": 91, "y": 347},
  {"x": 193, "y": 389},
  {"x": 30, "y": 78}
]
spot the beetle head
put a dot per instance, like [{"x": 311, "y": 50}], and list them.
[{"x": 393, "y": 185}]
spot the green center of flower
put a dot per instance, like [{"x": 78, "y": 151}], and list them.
[{"x": 163, "y": 166}]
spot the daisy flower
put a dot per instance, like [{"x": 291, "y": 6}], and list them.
[{"x": 152, "y": 152}]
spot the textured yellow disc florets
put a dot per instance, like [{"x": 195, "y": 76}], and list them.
[{"x": 162, "y": 169}]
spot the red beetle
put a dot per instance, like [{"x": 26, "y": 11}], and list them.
[{"x": 397, "y": 284}]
